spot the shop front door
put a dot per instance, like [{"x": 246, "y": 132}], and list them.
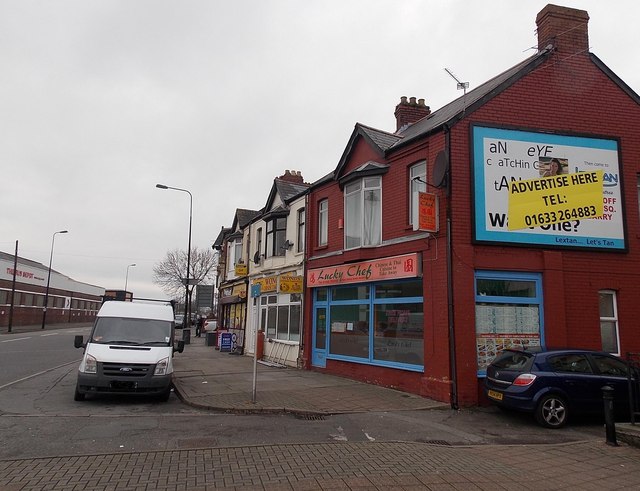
[{"x": 319, "y": 354}]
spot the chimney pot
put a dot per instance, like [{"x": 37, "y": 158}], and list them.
[
  {"x": 566, "y": 29},
  {"x": 408, "y": 113}
]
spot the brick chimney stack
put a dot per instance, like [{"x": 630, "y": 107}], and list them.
[
  {"x": 564, "y": 28},
  {"x": 410, "y": 112},
  {"x": 292, "y": 176}
]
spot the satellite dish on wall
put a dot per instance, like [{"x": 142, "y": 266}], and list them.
[{"x": 440, "y": 170}]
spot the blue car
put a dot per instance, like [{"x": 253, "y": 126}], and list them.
[{"x": 553, "y": 384}]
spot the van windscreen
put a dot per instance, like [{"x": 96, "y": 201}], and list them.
[{"x": 134, "y": 332}]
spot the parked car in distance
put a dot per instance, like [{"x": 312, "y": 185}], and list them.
[
  {"x": 179, "y": 321},
  {"x": 554, "y": 384},
  {"x": 210, "y": 325}
]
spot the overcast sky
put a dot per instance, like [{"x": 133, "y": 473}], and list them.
[{"x": 101, "y": 100}]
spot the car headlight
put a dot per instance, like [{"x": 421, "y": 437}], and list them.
[
  {"x": 90, "y": 365},
  {"x": 161, "y": 367}
]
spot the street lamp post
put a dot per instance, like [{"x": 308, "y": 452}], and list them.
[
  {"x": 187, "y": 306},
  {"x": 46, "y": 293},
  {"x": 126, "y": 279}
]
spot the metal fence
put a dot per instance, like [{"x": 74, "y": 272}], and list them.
[{"x": 633, "y": 378}]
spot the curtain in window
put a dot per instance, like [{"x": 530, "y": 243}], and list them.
[{"x": 371, "y": 220}]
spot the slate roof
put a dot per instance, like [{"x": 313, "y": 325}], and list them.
[
  {"x": 290, "y": 190},
  {"x": 466, "y": 104},
  {"x": 224, "y": 231},
  {"x": 244, "y": 217},
  {"x": 382, "y": 139}
]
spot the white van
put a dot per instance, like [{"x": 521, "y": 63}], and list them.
[{"x": 129, "y": 351}]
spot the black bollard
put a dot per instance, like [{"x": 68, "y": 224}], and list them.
[
  {"x": 609, "y": 420},
  {"x": 186, "y": 336}
]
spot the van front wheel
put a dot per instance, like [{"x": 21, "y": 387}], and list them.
[
  {"x": 164, "y": 396},
  {"x": 78, "y": 396}
]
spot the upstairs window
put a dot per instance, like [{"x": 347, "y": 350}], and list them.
[
  {"x": 237, "y": 251},
  {"x": 417, "y": 184},
  {"x": 256, "y": 257},
  {"x": 609, "y": 322},
  {"x": 234, "y": 254},
  {"x": 323, "y": 222},
  {"x": 363, "y": 213},
  {"x": 276, "y": 233},
  {"x": 300, "y": 238}
]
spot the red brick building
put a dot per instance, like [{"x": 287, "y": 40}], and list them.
[{"x": 556, "y": 264}]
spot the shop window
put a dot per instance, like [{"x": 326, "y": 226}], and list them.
[
  {"x": 417, "y": 184},
  {"x": 323, "y": 222},
  {"x": 400, "y": 289},
  {"x": 353, "y": 292},
  {"x": 508, "y": 313},
  {"x": 399, "y": 333},
  {"x": 363, "y": 213},
  {"x": 27, "y": 299},
  {"x": 378, "y": 324},
  {"x": 321, "y": 294},
  {"x": 4, "y": 297},
  {"x": 39, "y": 300},
  {"x": 300, "y": 237},
  {"x": 276, "y": 235},
  {"x": 609, "y": 322},
  {"x": 349, "y": 331},
  {"x": 280, "y": 316}
]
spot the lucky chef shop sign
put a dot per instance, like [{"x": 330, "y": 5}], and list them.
[
  {"x": 547, "y": 189},
  {"x": 388, "y": 268}
]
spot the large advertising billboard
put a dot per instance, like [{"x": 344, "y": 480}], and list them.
[{"x": 570, "y": 186}]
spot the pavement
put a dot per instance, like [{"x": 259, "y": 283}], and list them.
[{"x": 206, "y": 378}]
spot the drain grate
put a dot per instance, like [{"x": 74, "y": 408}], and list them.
[
  {"x": 434, "y": 442},
  {"x": 310, "y": 417}
]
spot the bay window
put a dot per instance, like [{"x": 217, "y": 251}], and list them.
[
  {"x": 276, "y": 233},
  {"x": 323, "y": 222},
  {"x": 363, "y": 213},
  {"x": 417, "y": 184}
]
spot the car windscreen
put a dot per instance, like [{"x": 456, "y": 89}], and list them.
[
  {"x": 513, "y": 360},
  {"x": 133, "y": 332}
]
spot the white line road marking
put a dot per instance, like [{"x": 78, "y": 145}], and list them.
[
  {"x": 39, "y": 373},
  {"x": 16, "y": 339},
  {"x": 50, "y": 334}
]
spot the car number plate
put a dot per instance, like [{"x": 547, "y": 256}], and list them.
[{"x": 495, "y": 395}]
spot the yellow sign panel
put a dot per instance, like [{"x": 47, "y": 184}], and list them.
[
  {"x": 567, "y": 197},
  {"x": 290, "y": 284},
  {"x": 268, "y": 284},
  {"x": 241, "y": 269}
]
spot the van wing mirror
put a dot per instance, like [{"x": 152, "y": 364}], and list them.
[
  {"x": 78, "y": 342},
  {"x": 180, "y": 347}
]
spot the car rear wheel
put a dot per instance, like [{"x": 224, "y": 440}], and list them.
[{"x": 552, "y": 411}]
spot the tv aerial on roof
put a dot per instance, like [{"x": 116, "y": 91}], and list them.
[{"x": 461, "y": 85}]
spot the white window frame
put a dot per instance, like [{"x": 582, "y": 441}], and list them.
[
  {"x": 356, "y": 193},
  {"x": 417, "y": 184},
  {"x": 301, "y": 218},
  {"x": 610, "y": 320},
  {"x": 271, "y": 306},
  {"x": 323, "y": 222}
]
